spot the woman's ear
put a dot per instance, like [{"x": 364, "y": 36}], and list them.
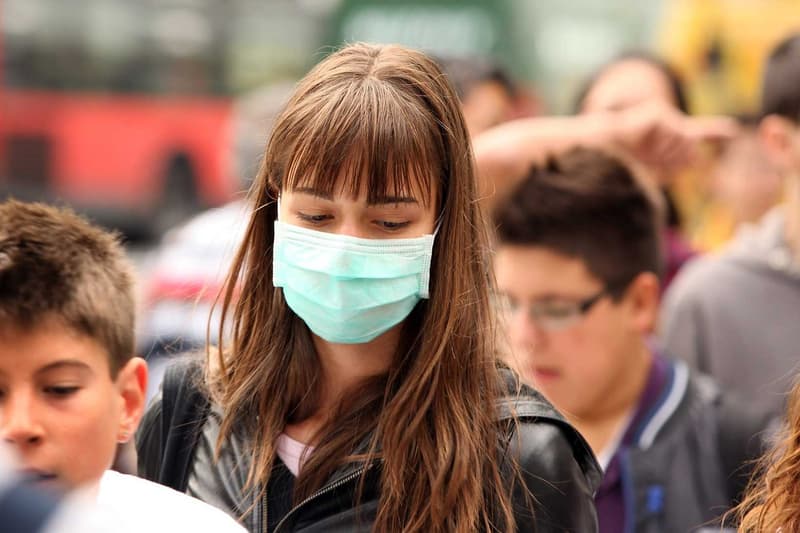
[
  {"x": 644, "y": 296},
  {"x": 132, "y": 385}
]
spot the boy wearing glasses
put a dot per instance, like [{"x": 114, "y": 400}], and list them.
[{"x": 578, "y": 260}]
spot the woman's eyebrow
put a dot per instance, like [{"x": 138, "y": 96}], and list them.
[
  {"x": 379, "y": 200},
  {"x": 325, "y": 195}
]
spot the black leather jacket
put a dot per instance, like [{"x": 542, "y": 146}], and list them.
[{"x": 555, "y": 462}]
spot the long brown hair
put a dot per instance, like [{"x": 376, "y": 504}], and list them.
[
  {"x": 772, "y": 500},
  {"x": 386, "y": 119}
]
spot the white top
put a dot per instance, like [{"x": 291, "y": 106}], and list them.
[
  {"x": 292, "y": 452},
  {"x": 128, "y": 504}
]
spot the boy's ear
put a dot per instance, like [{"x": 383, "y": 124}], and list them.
[
  {"x": 777, "y": 135},
  {"x": 132, "y": 386},
  {"x": 643, "y": 297}
]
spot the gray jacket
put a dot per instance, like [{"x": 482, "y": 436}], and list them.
[
  {"x": 735, "y": 316},
  {"x": 692, "y": 456}
]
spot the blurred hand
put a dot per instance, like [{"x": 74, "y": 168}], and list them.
[
  {"x": 652, "y": 137},
  {"x": 664, "y": 139}
]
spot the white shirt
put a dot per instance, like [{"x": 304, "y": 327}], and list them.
[{"x": 128, "y": 504}]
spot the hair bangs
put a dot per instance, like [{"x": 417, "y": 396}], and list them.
[{"x": 371, "y": 138}]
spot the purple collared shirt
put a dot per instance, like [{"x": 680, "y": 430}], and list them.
[{"x": 609, "y": 499}]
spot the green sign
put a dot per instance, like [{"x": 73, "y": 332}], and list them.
[{"x": 442, "y": 27}]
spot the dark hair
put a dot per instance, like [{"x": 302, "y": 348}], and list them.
[
  {"x": 465, "y": 73},
  {"x": 54, "y": 265},
  {"x": 588, "y": 205},
  {"x": 671, "y": 76},
  {"x": 779, "y": 92}
]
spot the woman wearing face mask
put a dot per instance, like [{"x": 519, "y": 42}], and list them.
[{"x": 359, "y": 389}]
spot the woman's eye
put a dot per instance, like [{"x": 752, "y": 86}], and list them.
[
  {"x": 313, "y": 219},
  {"x": 392, "y": 226},
  {"x": 61, "y": 391}
]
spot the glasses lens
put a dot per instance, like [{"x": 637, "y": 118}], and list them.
[{"x": 556, "y": 315}]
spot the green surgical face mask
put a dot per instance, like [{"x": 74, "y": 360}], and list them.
[{"x": 348, "y": 289}]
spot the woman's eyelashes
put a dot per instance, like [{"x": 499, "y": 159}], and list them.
[
  {"x": 314, "y": 218},
  {"x": 381, "y": 224},
  {"x": 391, "y": 225}
]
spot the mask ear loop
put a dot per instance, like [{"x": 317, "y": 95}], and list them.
[
  {"x": 426, "y": 274},
  {"x": 438, "y": 225}
]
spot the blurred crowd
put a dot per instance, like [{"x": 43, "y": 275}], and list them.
[{"x": 647, "y": 267}]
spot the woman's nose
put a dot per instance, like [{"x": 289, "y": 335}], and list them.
[{"x": 353, "y": 228}]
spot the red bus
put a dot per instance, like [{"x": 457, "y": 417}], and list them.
[{"x": 124, "y": 109}]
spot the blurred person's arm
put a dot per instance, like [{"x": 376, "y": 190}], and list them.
[{"x": 650, "y": 134}]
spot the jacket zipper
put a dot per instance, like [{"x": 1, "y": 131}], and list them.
[
  {"x": 320, "y": 492},
  {"x": 264, "y": 511}
]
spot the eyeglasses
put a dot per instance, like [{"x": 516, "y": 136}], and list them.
[{"x": 552, "y": 314}]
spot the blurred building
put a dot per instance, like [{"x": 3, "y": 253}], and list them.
[
  {"x": 125, "y": 109},
  {"x": 720, "y": 47}
]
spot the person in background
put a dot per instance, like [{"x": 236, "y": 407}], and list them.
[
  {"x": 188, "y": 267},
  {"x": 486, "y": 91},
  {"x": 70, "y": 385},
  {"x": 578, "y": 264},
  {"x": 733, "y": 316},
  {"x": 630, "y": 79},
  {"x": 745, "y": 181},
  {"x": 642, "y": 134},
  {"x": 360, "y": 390}
]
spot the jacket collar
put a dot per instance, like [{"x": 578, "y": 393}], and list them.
[{"x": 669, "y": 399}]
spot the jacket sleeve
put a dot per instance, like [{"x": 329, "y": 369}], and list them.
[
  {"x": 149, "y": 443},
  {"x": 559, "y": 479}
]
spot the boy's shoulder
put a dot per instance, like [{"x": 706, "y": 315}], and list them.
[
  {"x": 708, "y": 430},
  {"x": 693, "y": 399},
  {"x": 158, "y": 508}
]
